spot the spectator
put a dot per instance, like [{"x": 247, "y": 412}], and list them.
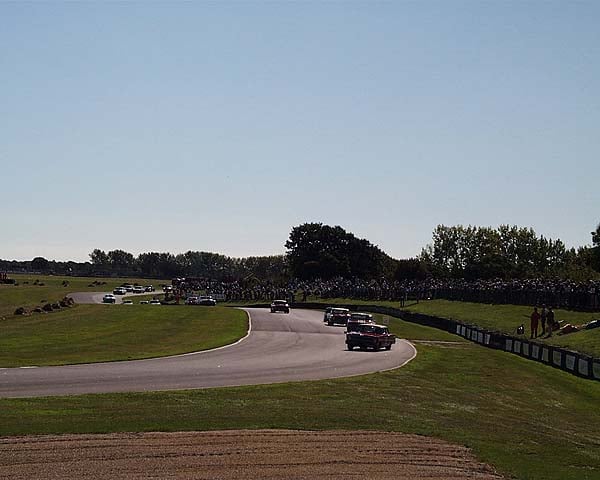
[
  {"x": 543, "y": 317},
  {"x": 535, "y": 317},
  {"x": 550, "y": 321}
]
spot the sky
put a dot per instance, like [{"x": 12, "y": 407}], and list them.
[{"x": 219, "y": 126}]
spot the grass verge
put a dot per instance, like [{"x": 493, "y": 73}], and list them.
[
  {"x": 503, "y": 318},
  {"x": 528, "y": 420},
  {"x": 100, "y": 333},
  {"x": 35, "y": 290}
]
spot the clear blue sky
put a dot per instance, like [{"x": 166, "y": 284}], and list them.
[{"x": 219, "y": 126}]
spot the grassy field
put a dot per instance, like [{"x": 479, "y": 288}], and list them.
[
  {"x": 528, "y": 420},
  {"x": 99, "y": 333},
  {"x": 507, "y": 318},
  {"x": 30, "y": 294},
  {"x": 503, "y": 318}
]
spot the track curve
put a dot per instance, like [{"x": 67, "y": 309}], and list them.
[{"x": 279, "y": 348}]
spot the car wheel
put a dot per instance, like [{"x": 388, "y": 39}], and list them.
[
  {"x": 376, "y": 347},
  {"x": 389, "y": 347},
  {"x": 330, "y": 323},
  {"x": 350, "y": 346}
]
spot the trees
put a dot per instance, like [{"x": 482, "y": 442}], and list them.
[
  {"x": 595, "y": 256},
  {"x": 411, "y": 269},
  {"x": 40, "y": 264},
  {"x": 321, "y": 251},
  {"x": 99, "y": 258},
  {"x": 122, "y": 263},
  {"x": 596, "y": 236},
  {"x": 485, "y": 252},
  {"x": 116, "y": 262}
]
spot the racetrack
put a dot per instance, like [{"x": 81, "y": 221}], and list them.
[
  {"x": 96, "y": 297},
  {"x": 279, "y": 348}
]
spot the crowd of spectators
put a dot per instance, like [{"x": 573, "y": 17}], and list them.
[
  {"x": 238, "y": 290},
  {"x": 559, "y": 293}
]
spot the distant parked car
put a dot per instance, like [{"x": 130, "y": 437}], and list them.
[
  {"x": 149, "y": 288},
  {"x": 191, "y": 300},
  {"x": 280, "y": 306},
  {"x": 138, "y": 289},
  {"x": 119, "y": 291},
  {"x": 128, "y": 287},
  {"x": 109, "y": 298},
  {"x": 155, "y": 302},
  {"x": 144, "y": 302},
  {"x": 127, "y": 302},
  {"x": 206, "y": 300}
]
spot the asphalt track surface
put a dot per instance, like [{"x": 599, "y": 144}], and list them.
[{"x": 278, "y": 348}]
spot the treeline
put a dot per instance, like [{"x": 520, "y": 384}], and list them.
[
  {"x": 190, "y": 264},
  {"x": 315, "y": 250},
  {"x": 506, "y": 252},
  {"x": 119, "y": 263},
  {"x": 42, "y": 265}
]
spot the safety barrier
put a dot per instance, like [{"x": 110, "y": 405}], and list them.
[
  {"x": 569, "y": 361},
  {"x": 576, "y": 363}
]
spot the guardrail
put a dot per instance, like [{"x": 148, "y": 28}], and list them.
[{"x": 576, "y": 363}]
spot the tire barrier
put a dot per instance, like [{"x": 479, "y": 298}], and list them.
[{"x": 569, "y": 361}]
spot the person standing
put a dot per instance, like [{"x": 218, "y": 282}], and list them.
[
  {"x": 543, "y": 317},
  {"x": 535, "y": 318},
  {"x": 550, "y": 321}
]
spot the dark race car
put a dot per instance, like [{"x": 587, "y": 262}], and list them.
[
  {"x": 370, "y": 335},
  {"x": 338, "y": 315},
  {"x": 280, "y": 306}
]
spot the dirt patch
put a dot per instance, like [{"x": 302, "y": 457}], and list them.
[{"x": 264, "y": 454}]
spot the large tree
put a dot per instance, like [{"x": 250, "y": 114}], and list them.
[
  {"x": 99, "y": 258},
  {"x": 595, "y": 261},
  {"x": 485, "y": 252},
  {"x": 40, "y": 264},
  {"x": 596, "y": 236},
  {"x": 321, "y": 251},
  {"x": 121, "y": 261}
]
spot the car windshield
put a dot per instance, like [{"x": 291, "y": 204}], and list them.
[
  {"x": 369, "y": 328},
  {"x": 279, "y": 302},
  {"x": 339, "y": 311}
]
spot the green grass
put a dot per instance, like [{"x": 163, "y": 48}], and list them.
[
  {"x": 528, "y": 420},
  {"x": 507, "y": 318},
  {"x": 26, "y": 294},
  {"x": 503, "y": 318},
  {"x": 99, "y": 333}
]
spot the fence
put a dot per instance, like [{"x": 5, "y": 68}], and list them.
[{"x": 572, "y": 362}]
